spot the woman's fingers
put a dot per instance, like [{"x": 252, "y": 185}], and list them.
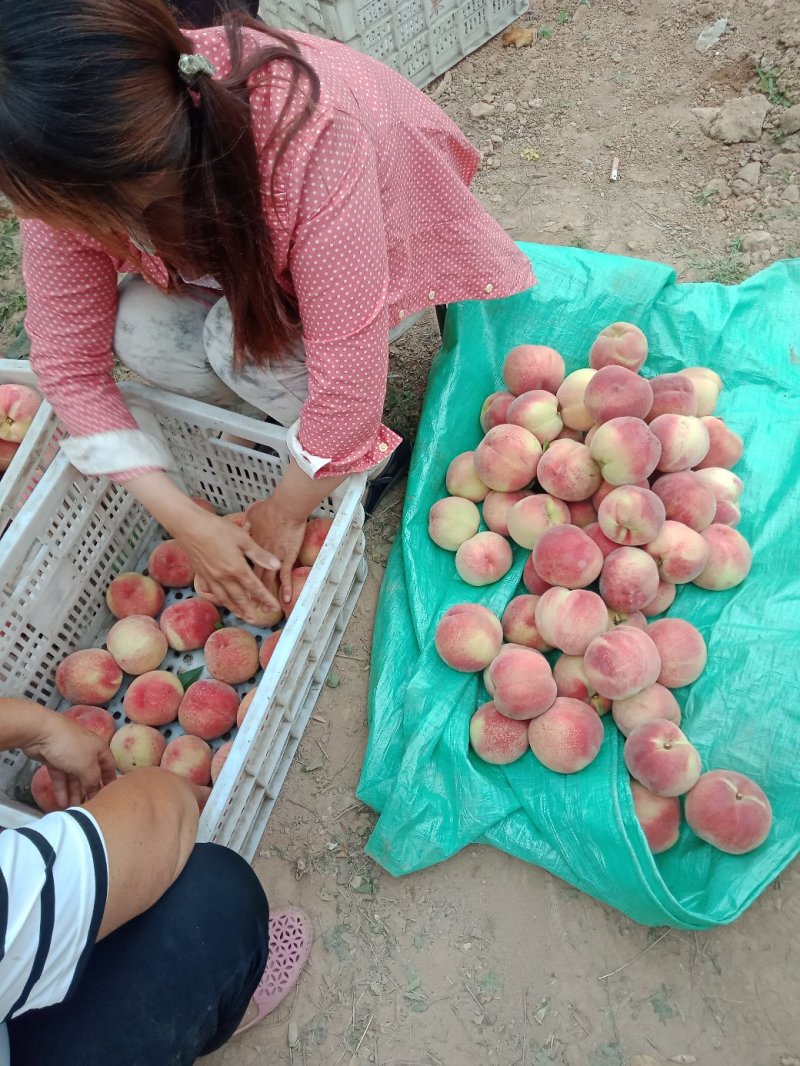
[
  {"x": 60, "y": 787},
  {"x": 286, "y": 581},
  {"x": 260, "y": 556},
  {"x": 108, "y": 768}
]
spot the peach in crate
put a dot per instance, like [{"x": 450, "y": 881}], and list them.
[
  {"x": 89, "y": 676},
  {"x": 190, "y": 757},
  {"x": 96, "y": 719},
  {"x": 208, "y": 709},
  {"x": 134, "y": 746},
  {"x": 317, "y": 530},
  {"x": 188, "y": 624},
  {"x": 137, "y": 644},
  {"x": 169, "y": 564},
  {"x": 18, "y": 407},
  {"x": 153, "y": 698},
  {"x": 134, "y": 593}
]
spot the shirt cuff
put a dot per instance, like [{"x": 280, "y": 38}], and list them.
[
  {"x": 316, "y": 466},
  {"x": 308, "y": 463},
  {"x": 121, "y": 453}
]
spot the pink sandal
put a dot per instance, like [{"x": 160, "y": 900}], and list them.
[{"x": 290, "y": 940}]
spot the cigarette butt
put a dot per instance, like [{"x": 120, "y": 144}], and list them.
[{"x": 615, "y": 169}]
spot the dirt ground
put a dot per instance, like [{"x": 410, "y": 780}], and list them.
[{"x": 484, "y": 959}]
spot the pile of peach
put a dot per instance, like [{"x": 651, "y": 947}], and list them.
[
  {"x": 622, "y": 484},
  {"x": 137, "y": 645},
  {"x": 18, "y": 405}
]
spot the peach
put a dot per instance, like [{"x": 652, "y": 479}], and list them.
[
  {"x": 571, "y": 395},
  {"x": 571, "y": 434},
  {"x": 606, "y": 489},
  {"x": 729, "y": 559},
  {"x": 626, "y": 450},
  {"x": 299, "y": 578},
  {"x": 727, "y": 489},
  {"x": 659, "y": 817},
  {"x": 90, "y": 676},
  {"x": 484, "y": 559},
  {"x": 626, "y": 618},
  {"x": 595, "y": 533},
  {"x": 153, "y": 698},
  {"x": 673, "y": 394},
  {"x": 494, "y": 410},
  {"x": 244, "y": 706},
  {"x": 451, "y": 521},
  {"x": 201, "y": 501},
  {"x": 533, "y": 366},
  {"x": 189, "y": 757},
  {"x": 137, "y": 643},
  {"x": 507, "y": 457},
  {"x": 495, "y": 738},
  {"x": 45, "y": 799},
  {"x": 686, "y": 499},
  {"x": 707, "y": 387},
  {"x": 496, "y": 507},
  {"x": 96, "y": 719},
  {"x": 680, "y": 553},
  {"x": 531, "y": 580},
  {"x": 567, "y": 737},
  {"x": 621, "y": 662},
  {"x": 133, "y": 593},
  {"x": 682, "y": 650},
  {"x": 262, "y": 616},
  {"x": 652, "y": 703},
  {"x": 462, "y": 478},
  {"x": 521, "y": 682},
  {"x": 536, "y": 411},
  {"x": 582, "y": 514},
  {"x": 725, "y": 447},
  {"x": 630, "y": 515},
  {"x": 531, "y": 517},
  {"x": 565, "y": 555},
  {"x": 684, "y": 441},
  {"x": 519, "y": 624},
  {"x": 729, "y": 811},
  {"x": 18, "y": 407},
  {"x": 659, "y": 756},
  {"x": 219, "y": 760},
  {"x": 169, "y": 564},
  {"x": 615, "y": 392},
  {"x": 662, "y": 601},
  {"x": 620, "y": 344},
  {"x": 267, "y": 649},
  {"x": 570, "y": 619},
  {"x": 317, "y": 530},
  {"x": 468, "y": 636},
  {"x": 568, "y": 471},
  {"x": 208, "y": 709},
  {"x": 7, "y": 452},
  {"x": 134, "y": 746},
  {"x": 188, "y": 624},
  {"x": 571, "y": 680},
  {"x": 231, "y": 655},
  {"x": 629, "y": 579}
]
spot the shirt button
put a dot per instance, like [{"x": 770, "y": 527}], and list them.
[
  {"x": 490, "y": 287},
  {"x": 432, "y": 294},
  {"x": 401, "y": 313},
  {"x": 383, "y": 447}
]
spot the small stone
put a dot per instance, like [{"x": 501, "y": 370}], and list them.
[
  {"x": 750, "y": 173},
  {"x": 717, "y": 187},
  {"x": 293, "y": 1036},
  {"x": 757, "y": 241},
  {"x": 789, "y": 121},
  {"x": 706, "y": 116},
  {"x": 496, "y": 139},
  {"x": 510, "y": 108},
  {"x": 467, "y": 946},
  {"x": 785, "y": 163},
  {"x": 791, "y": 194},
  {"x": 356, "y": 882},
  {"x": 481, "y": 109},
  {"x": 685, "y": 1060},
  {"x": 738, "y": 120}
]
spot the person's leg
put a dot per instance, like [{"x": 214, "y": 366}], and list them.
[{"x": 168, "y": 987}]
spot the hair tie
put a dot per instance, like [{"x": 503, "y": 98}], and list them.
[{"x": 192, "y": 67}]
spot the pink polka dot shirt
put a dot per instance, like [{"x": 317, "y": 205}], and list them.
[{"x": 371, "y": 219}]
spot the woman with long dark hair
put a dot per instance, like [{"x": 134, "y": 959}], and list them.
[{"x": 281, "y": 206}]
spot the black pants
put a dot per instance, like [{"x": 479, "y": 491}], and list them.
[
  {"x": 200, "y": 13},
  {"x": 168, "y": 987}
]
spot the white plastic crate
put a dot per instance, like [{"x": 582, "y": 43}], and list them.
[
  {"x": 420, "y": 39},
  {"x": 75, "y": 534},
  {"x": 37, "y": 450}
]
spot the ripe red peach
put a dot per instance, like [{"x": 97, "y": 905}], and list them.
[
  {"x": 531, "y": 580},
  {"x": 686, "y": 499},
  {"x": 262, "y": 616},
  {"x": 620, "y": 344},
  {"x": 659, "y": 756},
  {"x": 564, "y": 555},
  {"x": 571, "y": 434},
  {"x": 531, "y": 517},
  {"x": 621, "y": 662},
  {"x": 606, "y": 489},
  {"x": 725, "y": 447},
  {"x": 707, "y": 387},
  {"x": 684, "y": 441},
  {"x": 727, "y": 489},
  {"x": 219, "y": 760},
  {"x": 153, "y": 698},
  {"x": 453, "y": 520},
  {"x": 615, "y": 392},
  {"x": 729, "y": 559},
  {"x": 682, "y": 650},
  {"x": 626, "y": 450},
  {"x": 568, "y": 471},
  {"x": 673, "y": 394},
  {"x": 567, "y": 737},
  {"x": 521, "y": 681},
  {"x": 468, "y": 636},
  {"x": 626, "y": 618},
  {"x": 659, "y": 817},
  {"x": 90, "y": 676},
  {"x": 495, "y": 738},
  {"x": 45, "y": 799},
  {"x": 188, "y": 624},
  {"x": 484, "y": 559},
  {"x": 133, "y": 593},
  {"x": 571, "y": 397},
  {"x": 231, "y": 655},
  {"x": 651, "y": 704},
  {"x": 189, "y": 757},
  {"x": 18, "y": 407},
  {"x": 571, "y": 681},
  {"x": 317, "y": 529},
  {"x": 268, "y": 647},
  {"x": 729, "y": 811},
  {"x": 595, "y": 533},
  {"x": 462, "y": 478},
  {"x": 630, "y": 515},
  {"x": 96, "y": 719},
  {"x": 533, "y": 366},
  {"x": 662, "y": 601},
  {"x": 208, "y": 709},
  {"x": 169, "y": 564},
  {"x": 7, "y": 452},
  {"x": 496, "y": 507},
  {"x": 495, "y": 409},
  {"x": 629, "y": 579},
  {"x": 244, "y": 706},
  {"x": 519, "y": 623},
  {"x": 680, "y": 553},
  {"x": 507, "y": 457},
  {"x": 536, "y": 411},
  {"x": 570, "y": 619},
  {"x": 582, "y": 514},
  {"x": 137, "y": 644},
  {"x": 134, "y": 746}
]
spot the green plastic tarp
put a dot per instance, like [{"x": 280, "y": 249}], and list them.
[{"x": 434, "y": 796}]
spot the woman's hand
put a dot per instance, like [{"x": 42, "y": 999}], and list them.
[
  {"x": 281, "y": 533},
  {"x": 79, "y": 762}
]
